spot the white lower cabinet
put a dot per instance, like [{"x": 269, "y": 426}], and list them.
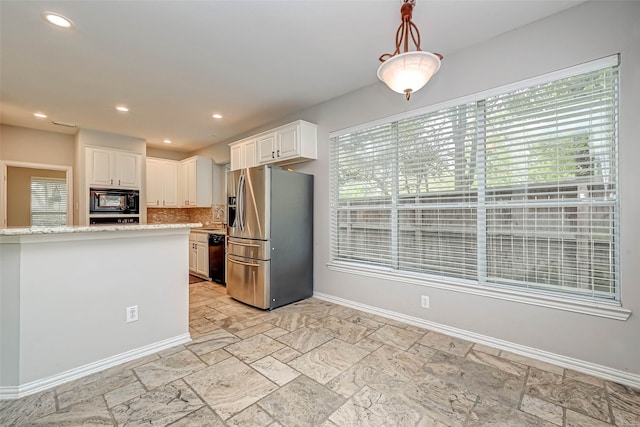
[
  {"x": 192, "y": 253},
  {"x": 199, "y": 254}
]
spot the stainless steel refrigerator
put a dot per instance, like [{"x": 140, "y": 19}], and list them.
[{"x": 270, "y": 245}]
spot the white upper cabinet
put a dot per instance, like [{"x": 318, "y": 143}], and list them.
[
  {"x": 113, "y": 168},
  {"x": 127, "y": 166},
  {"x": 162, "y": 183},
  {"x": 186, "y": 183},
  {"x": 99, "y": 167},
  {"x": 195, "y": 182},
  {"x": 292, "y": 143},
  {"x": 289, "y": 143},
  {"x": 237, "y": 155},
  {"x": 243, "y": 154},
  {"x": 250, "y": 153},
  {"x": 266, "y": 148}
]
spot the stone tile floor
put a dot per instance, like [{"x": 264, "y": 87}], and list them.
[{"x": 314, "y": 363}]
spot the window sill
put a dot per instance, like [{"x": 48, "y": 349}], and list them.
[{"x": 610, "y": 310}]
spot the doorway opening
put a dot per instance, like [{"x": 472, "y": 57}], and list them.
[{"x": 36, "y": 195}]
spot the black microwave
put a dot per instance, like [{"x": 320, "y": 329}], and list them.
[{"x": 110, "y": 201}]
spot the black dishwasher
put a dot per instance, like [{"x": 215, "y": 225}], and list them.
[{"x": 217, "y": 258}]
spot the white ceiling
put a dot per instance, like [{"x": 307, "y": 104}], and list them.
[{"x": 175, "y": 63}]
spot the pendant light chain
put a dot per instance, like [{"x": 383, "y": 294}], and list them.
[{"x": 405, "y": 30}]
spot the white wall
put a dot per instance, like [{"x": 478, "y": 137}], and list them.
[
  {"x": 36, "y": 146},
  {"x": 586, "y": 32},
  {"x": 218, "y": 152},
  {"x": 166, "y": 154}
]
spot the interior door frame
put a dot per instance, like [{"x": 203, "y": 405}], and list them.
[{"x": 4, "y": 164}]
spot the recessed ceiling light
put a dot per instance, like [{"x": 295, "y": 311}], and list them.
[
  {"x": 217, "y": 116},
  {"x": 166, "y": 141},
  {"x": 122, "y": 108},
  {"x": 40, "y": 115},
  {"x": 57, "y": 20}
]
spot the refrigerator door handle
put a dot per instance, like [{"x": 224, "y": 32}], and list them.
[
  {"x": 244, "y": 244},
  {"x": 240, "y": 202},
  {"x": 243, "y": 263}
]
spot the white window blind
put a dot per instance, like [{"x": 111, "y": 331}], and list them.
[
  {"x": 517, "y": 189},
  {"x": 48, "y": 202}
]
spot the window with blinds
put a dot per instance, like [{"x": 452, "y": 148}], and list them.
[
  {"x": 48, "y": 202},
  {"x": 515, "y": 189}
]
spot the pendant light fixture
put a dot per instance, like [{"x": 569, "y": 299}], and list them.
[{"x": 408, "y": 72}]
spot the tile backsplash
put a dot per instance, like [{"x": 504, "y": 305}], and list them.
[{"x": 213, "y": 216}]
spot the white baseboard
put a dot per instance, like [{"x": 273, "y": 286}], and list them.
[
  {"x": 589, "y": 368},
  {"x": 36, "y": 386}
]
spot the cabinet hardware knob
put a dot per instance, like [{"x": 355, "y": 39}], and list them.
[
  {"x": 278, "y": 153},
  {"x": 272, "y": 156}
]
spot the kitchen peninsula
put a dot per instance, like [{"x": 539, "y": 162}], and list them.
[{"x": 68, "y": 295}]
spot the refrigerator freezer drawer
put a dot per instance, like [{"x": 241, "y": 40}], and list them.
[
  {"x": 248, "y": 281},
  {"x": 248, "y": 248}
]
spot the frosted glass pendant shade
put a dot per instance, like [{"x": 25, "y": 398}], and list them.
[{"x": 408, "y": 72}]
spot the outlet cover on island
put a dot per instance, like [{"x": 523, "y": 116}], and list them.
[
  {"x": 132, "y": 313},
  {"x": 424, "y": 301}
]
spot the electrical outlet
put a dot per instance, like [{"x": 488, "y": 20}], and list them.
[
  {"x": 132, "y": 313},
  {"x": 424, "y": 301}
]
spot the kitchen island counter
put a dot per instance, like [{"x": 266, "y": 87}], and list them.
[
  {"x": 66, "y": 295},
  {"x": 19, "y": 231}
]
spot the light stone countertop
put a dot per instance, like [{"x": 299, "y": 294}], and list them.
[
  {"x": 17, "y": 231},
  {"x": 210, "y": 230}
]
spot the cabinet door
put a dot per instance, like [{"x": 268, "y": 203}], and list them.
[
  {"x": 250, "y": 154},
  {"x": 192, "y": 255},
  {"x": 265, "y": 148},
  {"x": 127, "y": 167},
  {"x": 169, "y": 180},
  {"x": 191, "y": 183},
  {"x": 183, "y": 191},
  {"x": 154, "y": 183},
  {"x": 202, "y": 259},
  {"x": 287, "y": 143},
  {"x": 237, "y": 156},
  {"x": 99, "y": 167}
]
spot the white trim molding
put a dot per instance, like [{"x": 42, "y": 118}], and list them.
[
  {"x": 604, "y": 372},
  {"x": 609, "y": 310},
  {"x": 16, "y": 392}
]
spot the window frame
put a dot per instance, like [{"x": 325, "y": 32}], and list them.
[{"x": 531, "y": 295}]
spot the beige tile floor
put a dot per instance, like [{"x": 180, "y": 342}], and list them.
[{"x": 315, "y": 363}]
